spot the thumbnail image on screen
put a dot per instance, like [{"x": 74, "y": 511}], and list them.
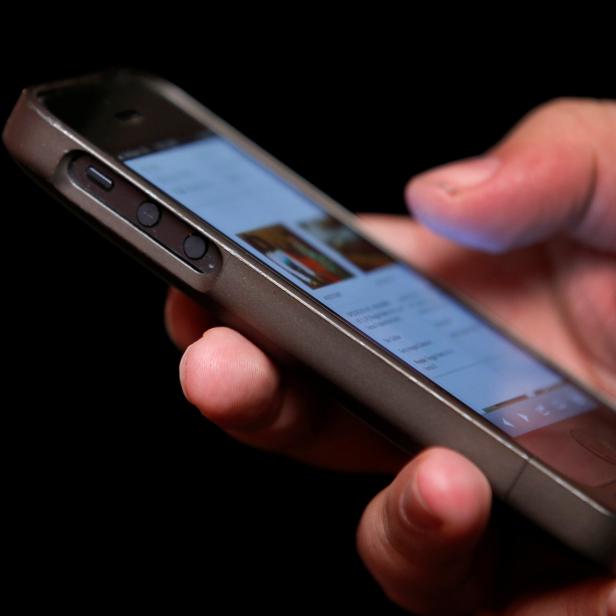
[
  {"x": 295, "y": 255},
  {"x": 356, "y": 249}
]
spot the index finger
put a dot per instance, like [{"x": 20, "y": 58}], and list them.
[{"x": 552, "y": 174}]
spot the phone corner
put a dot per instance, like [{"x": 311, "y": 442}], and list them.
[{"x": 11, "y": 130}]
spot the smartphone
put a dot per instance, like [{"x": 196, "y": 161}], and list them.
[{"x": 217, "y": 216}]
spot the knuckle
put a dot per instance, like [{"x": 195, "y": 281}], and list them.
[
  {"x": 404, "y": 578},
  {"x": 387, "y": 565}
]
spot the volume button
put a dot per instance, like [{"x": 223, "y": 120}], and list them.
[
  {"x": 195, "y": 247},
  {"x": 148, "y": 214}
]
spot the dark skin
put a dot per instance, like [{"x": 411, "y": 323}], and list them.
[{"x": 528, "y": 232}]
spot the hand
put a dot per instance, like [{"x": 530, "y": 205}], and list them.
[{"x": 544, "y": 199}]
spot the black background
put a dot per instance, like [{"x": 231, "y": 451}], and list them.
[{"x": 118, "y": 491}]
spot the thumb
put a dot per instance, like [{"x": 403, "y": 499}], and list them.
[
  {"x": 420, "y": 537},
  {"x": 552, "y": 174}
]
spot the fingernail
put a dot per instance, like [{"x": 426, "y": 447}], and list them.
[
  {"x": 457, "y": 176},
  {"x": 414, "y": 508},
  {"x": 611, "y": 603}
]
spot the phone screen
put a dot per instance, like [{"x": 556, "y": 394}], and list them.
[{"x": 387, "y": 300}]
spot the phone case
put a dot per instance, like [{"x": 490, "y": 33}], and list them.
[{"x": 394, "y": 400}]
